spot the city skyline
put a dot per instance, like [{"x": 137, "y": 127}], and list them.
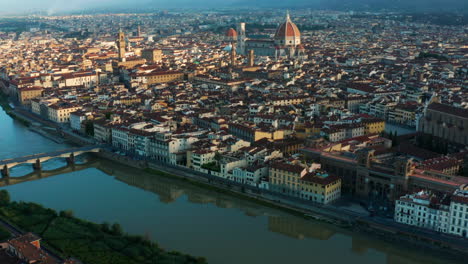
[
  {"x": 52, "y": 7},
  {"x": 353, "y": 120}
]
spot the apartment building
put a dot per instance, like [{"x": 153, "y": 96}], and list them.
[
  {"x": 445, "y": 213},
  {"x": 60, "y": 111}
]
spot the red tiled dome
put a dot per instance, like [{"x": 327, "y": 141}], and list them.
[
  {"x": 232, "y": 33},
  {"x": 287, "y": 29}
]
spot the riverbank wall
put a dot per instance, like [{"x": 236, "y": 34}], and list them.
[
  {"x": 5, "y": 104},
  {"x": 46, "y": 128},
  {"x": 46, "y": 134},
  {"x": 137, "y": 164},
  {"x": 386, "y": 230}
]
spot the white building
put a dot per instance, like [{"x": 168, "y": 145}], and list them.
[
  {"x": 251, "y": 175},
  {"x": 76, "y": 118},
  {"x": 120, "y": 138},
  {"x": 423, "y": 210},
  {"x": 167, "y": 148},
  {"x": 230, "y": 161},
  {"x": 199, "y": 157},
  {"x": 459, "y": 212},
  {"x": 446, "y": 214},
  {"x": 60, "y": 112},
  {"x": 86, "y": 79}
]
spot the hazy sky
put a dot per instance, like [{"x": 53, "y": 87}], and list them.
[
  {"x": 53, "y": 6},
  {"x": 67, "y": 5}
]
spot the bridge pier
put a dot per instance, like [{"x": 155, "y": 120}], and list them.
[
  {"x": 37, "y": 166},
  {"x": 71, "y": 159},
  {"x": 5, "y": 172}
]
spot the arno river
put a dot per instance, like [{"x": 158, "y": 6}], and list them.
[{"x": 186, "y": 218}]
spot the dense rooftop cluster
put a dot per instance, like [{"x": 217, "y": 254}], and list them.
[{"x": 172, "y": 88}]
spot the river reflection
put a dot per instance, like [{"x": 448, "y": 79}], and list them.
[
  {"x": 202, "y": 222},
  {"x": 16, "y": 140},
  {"x": 181, "y": 216}
]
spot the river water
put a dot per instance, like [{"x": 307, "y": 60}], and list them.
[{"x": 187, "y": 218}]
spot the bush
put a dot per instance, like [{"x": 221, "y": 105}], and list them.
[
  {"x": 66, "y": 214},
  {"x": 91, "y": 243},
  {"x": 4, "y": 197},
  {"x": 116, "y": 229},
  {"x": 4, "y": 234},
  {"x": 105, "y": 227}
]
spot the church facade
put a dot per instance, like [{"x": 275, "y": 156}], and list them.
[{"x": 286, "y": 42}]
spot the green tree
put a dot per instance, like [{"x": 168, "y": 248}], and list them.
[
  {"x": 395, "y": 139},
  {"x": 217, "y": 156},
  {"x": 116, "y": 229},
  {"x": 105, "y": 227},
  {"x": 89, "y": 128},
  {"x": 4, "y": 234},
  {"x": 4, "y": 197},
  {"x": 66, "y": 214}
]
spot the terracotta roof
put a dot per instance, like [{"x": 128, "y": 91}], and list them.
[
  {"x": 312, "y": 177},
  {"x": 31, "y": 253},
  {"x": 287, "y": 29},
  {"x": 287, "y": 167},
  {"x": 231, "y": 33},
  {"x": 460, "y": 199},
  {"x": 449, "y": 109}
]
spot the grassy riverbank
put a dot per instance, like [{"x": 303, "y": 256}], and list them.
[
  {"x": 4, "y": 102},
  {"x": 4, "y": 234},
  {"x": 91, "y": 243}
]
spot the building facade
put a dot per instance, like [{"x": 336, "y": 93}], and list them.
[
  {"x": 446, "y": 122},
  {"x": 446, "y": 213},
  {"x": 423, "y": 209},
  {"x": 459, "y": 212},
  {"x": 285, "y": 43},
  {"x": 305, "y": 183}
]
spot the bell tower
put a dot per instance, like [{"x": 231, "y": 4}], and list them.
[
  {"x": 121, "y": 43},
  {"x": 241, "y": 38}
]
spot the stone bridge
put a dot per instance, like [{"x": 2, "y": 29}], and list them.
[{"x": 37, "y": 159}]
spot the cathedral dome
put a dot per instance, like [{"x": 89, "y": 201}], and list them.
[
  {"x": 287, "y": 30},
  {"x": 231, "y": 33}
]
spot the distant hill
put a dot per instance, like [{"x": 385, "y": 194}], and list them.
[
  {"x": 408, "y": 6},
  {"x": 365, "y": 5}
]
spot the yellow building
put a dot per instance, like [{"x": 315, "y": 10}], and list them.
[
  {"x": 128, "y": 100},
  {"x": 285, "y": 177},
  {"x": 295, "y": 180},
  {"x": 373, "y": 126},
  {"x": 320, "y": 187},
  {"x": 305, "y": 130},
  {"x": 129, "y": 63},
  {"x": 284, "y": 101},
  {"x": 159, "y": 77},
  {"x": 163, "y": 77},
  {"x": 273, "y": 135},
  {"x": 27, "y": 93},
  {"x": 251, "y": 133}
]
